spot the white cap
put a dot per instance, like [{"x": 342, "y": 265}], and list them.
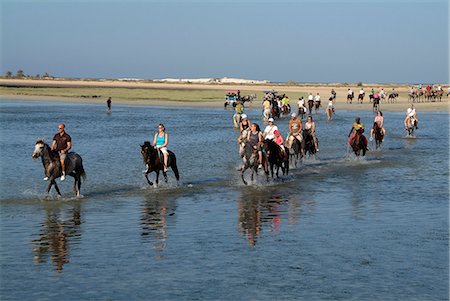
[
  {"x": 243, "y": 116},
  {"x": 271, "y": 120},
  {"x": 294, "y": 115}
]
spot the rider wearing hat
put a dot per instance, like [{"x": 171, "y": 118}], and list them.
[{"x": 270, "y": 129}]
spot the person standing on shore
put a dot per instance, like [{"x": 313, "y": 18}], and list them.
[
  {"x": 62, "y": 143},
  {"x": 108, "y": 103}
]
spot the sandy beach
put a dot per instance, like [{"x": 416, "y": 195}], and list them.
[{"x": 209, "y": 95}]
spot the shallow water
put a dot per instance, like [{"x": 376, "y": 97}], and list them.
[{"x": 335, "y": 228}]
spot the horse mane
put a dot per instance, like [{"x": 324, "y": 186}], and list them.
[{"x": 147, "y": 144}]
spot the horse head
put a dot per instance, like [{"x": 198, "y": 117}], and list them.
[
  {"x": 39, "y": 149},
  {"x": 146, "y": 151}
]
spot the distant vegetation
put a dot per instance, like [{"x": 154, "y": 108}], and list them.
[{"x": 20, "y": 74}]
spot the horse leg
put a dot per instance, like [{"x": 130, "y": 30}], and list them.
[
  {"x": 242, "y": 174},
  {"x": 79, "y": 186},
  {"x": 50, "y": 184},
  {"x": 75, "y": 191},
  {"x": 148, "y": 181},
  {"x": 56, "y": 188},
  {"x": 157, "y": 177}
]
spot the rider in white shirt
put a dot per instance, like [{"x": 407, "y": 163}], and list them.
[
  {"x": 350, "y": 92},
  {"x": 269, "y": 130},
  {"x": 361, "y": 92},
  {"x": 310, "y": 96},
  {"x": 317, "y": 97}
]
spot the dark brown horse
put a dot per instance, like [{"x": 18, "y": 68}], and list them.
[
  {"x": 310, "y": 105},
  {"x": 378, "y": 133},
  {"x": 52, "y": 166},
  {"x": 350, "y": 97},
  {"x": 359, "y": 143},
  {"x": 308, "y": 143},
  {"x": 155, "y": 163},
  {"x": 276, "y": 157},
  {"x": 361, "y": 97}
]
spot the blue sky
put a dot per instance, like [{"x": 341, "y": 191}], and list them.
[{"x": 305, "y": 41}]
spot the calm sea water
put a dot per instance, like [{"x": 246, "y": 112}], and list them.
[{"x": 336, "y": 228}]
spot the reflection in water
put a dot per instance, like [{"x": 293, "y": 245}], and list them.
[
  {"x": 58, "y": 228},
  {"x": 157, "y": 213},
  {"x": 257, "y": 208}
]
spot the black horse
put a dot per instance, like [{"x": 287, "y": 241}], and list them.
[
  {"x": 308, "y": 143},
  {"x": 155, "y": 163},
  {"x": 52, "y": 166},
  {"x": 359, "y": 143},
  {"x": 250, "y": 160},
  {"x": 276, "y": 157},
  {"x": 361, "y": 98}
]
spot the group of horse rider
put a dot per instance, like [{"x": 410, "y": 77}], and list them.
[
  {"x": 62, "y": 143},
  {"x": 252, "y": 134}
]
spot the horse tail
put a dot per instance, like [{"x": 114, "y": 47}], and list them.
[
  {"x": 174, "y": 167},
  {"x": 82, "y": 172}
]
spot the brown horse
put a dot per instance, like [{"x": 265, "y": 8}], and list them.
[
  {"x": 359, "y": 143},
  {"x": 154, "y": 162},
  {"x": 410, "y": 125}
]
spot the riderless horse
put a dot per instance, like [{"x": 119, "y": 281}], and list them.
[
  {"x": 276, "y": 157},
  {"x": 155, "y": 163},
  {"x": 52, "y": 166},
  {"x": 392, "y": 97},
  {"x": 250, "y": 160}
]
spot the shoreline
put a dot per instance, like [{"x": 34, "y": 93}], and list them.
[{"x": 197, "y": 95}]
